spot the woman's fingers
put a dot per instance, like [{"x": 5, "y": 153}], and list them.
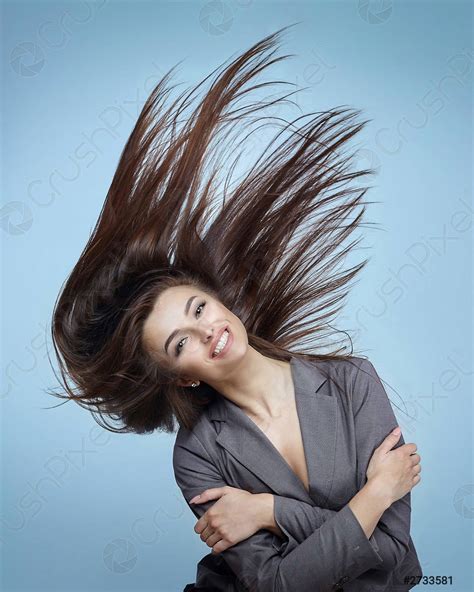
[
  {"x": 213, "y": 539},
  {"x": 416, "y": 468},
  {"x": 390, "y": 440},
  {"x": 206, "y": 533},
  {"x": 209, "y": 494}
]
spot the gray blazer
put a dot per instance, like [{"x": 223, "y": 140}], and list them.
[{"x": 325, "y": 548}]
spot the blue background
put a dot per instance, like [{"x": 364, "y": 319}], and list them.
[{"x": 83, "y": 509}]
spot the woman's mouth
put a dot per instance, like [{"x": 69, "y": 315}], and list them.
[{"x": 223, "y": 345}]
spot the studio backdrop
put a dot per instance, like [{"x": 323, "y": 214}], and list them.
[{"x": 114, "y": 175}]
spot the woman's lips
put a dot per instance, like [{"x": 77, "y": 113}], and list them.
[{"x": 227, "y": 346}]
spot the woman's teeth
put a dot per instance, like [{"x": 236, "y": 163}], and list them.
[{"x": 221, "y": 343}]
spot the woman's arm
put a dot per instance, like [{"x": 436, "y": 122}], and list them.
[
  {"x": 302, "y": 519},
  {"x": 294, "y": 521},
  {"x": 336, "y": 552}
]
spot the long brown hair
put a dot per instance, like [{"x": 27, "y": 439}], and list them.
[{"x": 267, "y": 247}]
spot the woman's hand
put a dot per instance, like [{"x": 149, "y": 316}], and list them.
[
  {"x": 394, "y": 472},
  {"x": 233, "y": 518}
]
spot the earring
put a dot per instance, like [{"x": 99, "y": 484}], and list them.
[{"x": 195, "y": 384}]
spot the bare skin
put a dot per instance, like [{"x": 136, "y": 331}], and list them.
[{"x": 284, "y": 431}]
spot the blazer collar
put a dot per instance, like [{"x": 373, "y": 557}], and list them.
[{"x": 317, "y": 412}]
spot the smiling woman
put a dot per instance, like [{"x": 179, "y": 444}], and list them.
[{"x": 206, "y": 309}]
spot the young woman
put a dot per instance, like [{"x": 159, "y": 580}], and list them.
[{"x": 207, "y": 305}]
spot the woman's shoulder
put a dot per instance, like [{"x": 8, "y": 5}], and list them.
[
  {"x": 197, "y": 438},
  {"x": 345, "y": 368},
  {"x": 339, "y": 377}
]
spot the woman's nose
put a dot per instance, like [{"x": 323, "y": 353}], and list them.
[
  {"x": 206, "y": 330},
  {"x": 208, "y": 333}
]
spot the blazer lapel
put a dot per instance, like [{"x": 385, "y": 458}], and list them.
[{"x": 317, "y": 412}]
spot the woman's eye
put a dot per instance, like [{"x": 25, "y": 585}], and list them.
[
  {"x": 202, "y": 304},
  {"x": 178, "y": 348}
]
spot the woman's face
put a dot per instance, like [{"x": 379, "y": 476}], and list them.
[{"x": 183, "y": 330}]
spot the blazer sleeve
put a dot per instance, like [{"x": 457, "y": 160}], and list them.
[
  {"x": 336, "y": 551},
  {"x": 373, "y": 421},
  {"x": 298, "y": 520}
]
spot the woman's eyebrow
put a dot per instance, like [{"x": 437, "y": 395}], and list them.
[{"x": 173, "y": 333}]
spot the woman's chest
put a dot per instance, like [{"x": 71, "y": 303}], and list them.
[
  {"x": 285, "y": 436},
  {"x": 308, "y": 456}
]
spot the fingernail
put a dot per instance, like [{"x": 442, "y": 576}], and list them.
[
  {"x": 195, "y": 498},
  {"x": 396, "y": 431}
]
